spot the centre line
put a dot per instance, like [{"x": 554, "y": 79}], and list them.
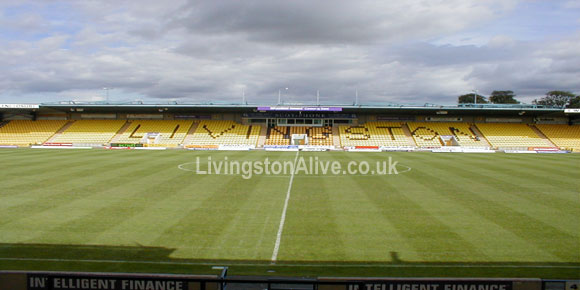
[{"x": 283, "y": 218}]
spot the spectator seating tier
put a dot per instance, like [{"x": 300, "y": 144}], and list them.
[
  {"x": 225, "y": 132},
  {"x": 172, "y": 131},
  {"x": 281, "y": 135},
  {"x": 27, "y": 132},
  {"x": 564, "y": 136},
  {"x": 427, "y": 134},
  {"x": 374, "y": 134},
  {"x": 90, "y": 132},
  {"x": 502, "y": 135}
]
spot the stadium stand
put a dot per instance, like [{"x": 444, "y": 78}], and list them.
[
  {"x": 502, "y": 135},
  {"x": 319, "y": 136},
  {"x": 89, "y": 132},
  {"x": 225, "y": 132},
  {"x": 172, "y": 132},
  {"x": 374, "y": 134},
  {"x": 427, "y": 134},
  {"x": 27, "y": 132},
  {"x": 564, "y": 136}
]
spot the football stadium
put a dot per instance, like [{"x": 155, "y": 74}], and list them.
[
  {"x": 290, "y": 145},
  {"x": 281, "y": 196}
]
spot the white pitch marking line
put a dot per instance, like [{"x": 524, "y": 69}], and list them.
[
  {"x": 283, "y": 218},
  {"x": 295, "y": 264}
]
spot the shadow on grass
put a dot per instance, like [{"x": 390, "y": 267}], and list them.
[{"x": 49, "y": 257}]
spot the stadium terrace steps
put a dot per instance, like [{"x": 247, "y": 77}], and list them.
[
  {"x": 563, "y": 136},
  {"x": 335, "y": 136},
  {"x": 120, "y": 132},
  {"x": 66, "y": 126},
  {"x": 27, "y": 132},
  {"x": 478, "y": 133},
  {"x": 262, "y": 138},
  {"x": 190, "y": 135},
  {"x": 407, "y": 132},
  {"x": 542, "y": 135}
]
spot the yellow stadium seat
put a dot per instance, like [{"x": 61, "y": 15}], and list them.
[
  {"x": 172, "y": 132},
  {"x": 319, "y": 136},
  {"x": 27, "y": 132},
  {"x": 502, "y": 135},
  {"x": 374, "y": 134},
  {"x": 428, "y": 134},
  {"x": 90, "y": 132},
  {"x": 225, "y": 132},
  {"x": 564, "y": 136}
]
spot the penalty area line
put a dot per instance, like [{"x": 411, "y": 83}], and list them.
[
  {"x": 290, "y": 264},
  {"x": 283, "y": 218}
]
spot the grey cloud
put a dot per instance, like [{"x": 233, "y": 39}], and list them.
[
  {"x": 201, "y": 51},
  {"x": 447, "y": 55},
  {"x": 326, "y": 22}
]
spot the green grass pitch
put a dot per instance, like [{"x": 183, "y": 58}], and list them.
[{"x": 455, "y": 215}]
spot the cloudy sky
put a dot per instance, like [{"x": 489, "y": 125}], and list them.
[{"x": 409, "y": 52}]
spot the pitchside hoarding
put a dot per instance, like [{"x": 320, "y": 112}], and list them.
[
  {"x": 430, "y": 285},
  {"x": 41, "y": 282},
  {"x": 106, "y": 281},
  {"x": 102, "y": 281}
]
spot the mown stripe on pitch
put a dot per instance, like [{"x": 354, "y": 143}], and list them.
[
  {"x": 89, "y": 182},
  {"x": 555, "y": 159},
  {"x": 227, "y": 230},
  {"x": 432, "y": 239},
  {"x": 527, "y": 187},
  {"x": 502, "y": 244},
  {"x": 26, "y": 178},
  {"x": 148, "y": 224},
  {"x": 32, "y": 200},
  {"x": 69, "y": 181},
  {"x": 204, "y": 225},
  {"x": 532, "y": 161},
  {"x": 520, "y": 167},
  {"x": 265, "y": 220},
  {"x": 376, "y": 238},
  {"x": 497, "y": 243},
  {"x": 523, "y": 225},
  {"x": 565, "y": 164},
  {"x": 311, "y": 231},
  {"x": 58, "y": 171},
  {"x": 510, "y": 188},
  {"x": 24, "y": 157},
  {"x": 109, "y": 212},
  {"x": 564, "y": 215},
  {"x": 255, "y": 230}
]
